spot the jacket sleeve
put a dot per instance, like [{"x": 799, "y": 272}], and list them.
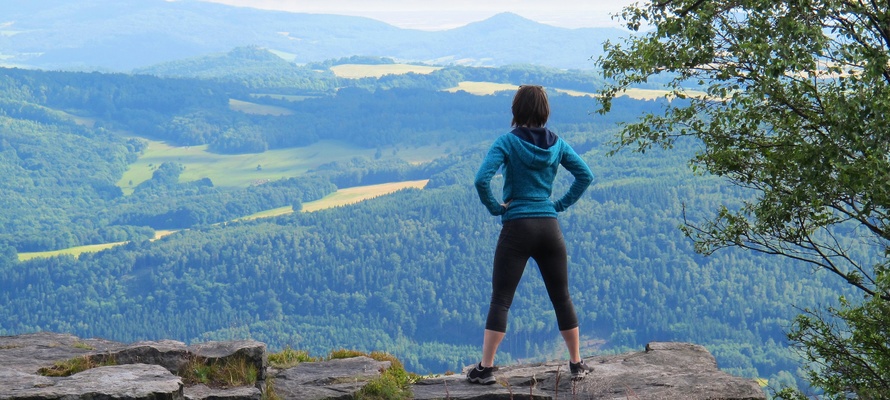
[
  {"x": 493, "y": 160},
  {"x": 583, "y": 178}
]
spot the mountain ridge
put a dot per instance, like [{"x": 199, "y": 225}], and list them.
[{"x": 107, "y": 35}]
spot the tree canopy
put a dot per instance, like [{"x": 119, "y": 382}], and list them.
[{"x": 796, "y": 108}]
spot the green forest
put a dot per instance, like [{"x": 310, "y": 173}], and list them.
[{"x": 407, "y": 273}]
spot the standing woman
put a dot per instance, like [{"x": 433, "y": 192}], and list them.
[{"x": 531, "y": 155}]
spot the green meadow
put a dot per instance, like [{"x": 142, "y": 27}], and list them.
[{"x": 243, "y": 170}]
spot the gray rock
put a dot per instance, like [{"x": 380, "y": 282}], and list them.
[
  {"x": 169, "y": 354},
  {"x": 14, "y": 381},
  {"x": 334, "y": 379},
  {"x": 663, "y": 371},
  {"x": 203, "y": 392},
  {"x": 30, "y": 352},
  {"x": 133, "y": 381},
  {"x": 250, "y": 350}
]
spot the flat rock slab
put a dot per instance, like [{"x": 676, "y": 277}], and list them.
[
  {"x": 30, "y": 352},
  {"x": 202, "y": 392},
  {"x": 132, "y": 381},
  {"x": 663, "y": 371},
  {"x": 334, "y": 379}
]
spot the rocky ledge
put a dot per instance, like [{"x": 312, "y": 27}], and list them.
[{"x": 154, "y": 370}]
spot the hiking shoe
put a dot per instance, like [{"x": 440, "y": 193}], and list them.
[
  {"x": 481, "y": 375},
  {"x": 579, "y": 370}
]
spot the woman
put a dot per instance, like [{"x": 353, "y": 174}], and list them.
[{"x": 531, "y": 155}]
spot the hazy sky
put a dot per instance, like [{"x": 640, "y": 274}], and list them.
[{"x": 445, "y": 14}]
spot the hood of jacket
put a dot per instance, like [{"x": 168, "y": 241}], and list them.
[{"x": 535, "y": 147}]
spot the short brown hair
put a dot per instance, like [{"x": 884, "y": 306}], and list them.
[{"x": 530, "y": 107}]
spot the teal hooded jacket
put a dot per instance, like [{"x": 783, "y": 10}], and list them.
[{"x": 531, "y": 157}]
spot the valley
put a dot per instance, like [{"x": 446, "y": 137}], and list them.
[{"x": 106, "y": 150}]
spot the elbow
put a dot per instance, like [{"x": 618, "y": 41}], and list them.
[
  {"x": 480, "y": 183},
  {"x": 589, "y": 177},
  {"x": 586, "y": 179}
]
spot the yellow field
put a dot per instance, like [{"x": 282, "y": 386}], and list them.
[
  {"x": 368, "y": 71},
  {"x": 356, "y": 194},
  {"x": 342, "y": 197},
  {"x": 652, "y": 94},
  {"x": 482, "y": 88},
  {"x": 92, "y": 248},
  {"x": 163, "y": 232},
  {"x": 634, "y": 93},
  {"x": 257, "y": 109},
  {"x": 73, "y": 251},
  {"x": 486, "y": 88}
]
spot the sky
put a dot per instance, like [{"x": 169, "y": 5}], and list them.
[{"x": 447, "y": 14}]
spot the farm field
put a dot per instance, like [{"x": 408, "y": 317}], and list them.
[
  {"x": 243, "y": 170},
  {"x": 72, "y": 251},
  {"x": 486, "y": 88},
  {"x": 288, "y": 97},
  {"x": 257, "y": 109},
  {"x": 91, "y": 248},
  {"x": 357, "y": 194},
  {"x": 339, "y": 198},
  {"x": 482, "y": 88},
  {"x": 354, "y": 71},
  {"x": 343, "y": 197}
]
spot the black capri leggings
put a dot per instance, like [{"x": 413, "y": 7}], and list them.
[{"x": 521, "y": 239}]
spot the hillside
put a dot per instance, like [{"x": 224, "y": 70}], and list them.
[{"x": 120, "y": 35}]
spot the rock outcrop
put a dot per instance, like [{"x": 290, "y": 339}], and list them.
[
  {"x": 663, "y": 371},
  {"x": 153, "y": 370}
]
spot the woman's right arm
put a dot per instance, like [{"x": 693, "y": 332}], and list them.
[
  {"x": 493, "y": 160},
  {"x": 572, "y": 162}
]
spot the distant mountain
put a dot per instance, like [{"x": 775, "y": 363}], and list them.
[{"x": 121, "y": 35}]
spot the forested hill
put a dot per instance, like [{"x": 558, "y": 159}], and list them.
[
  {"x": 120, "y": 35},
  {"x": 406, "y": 273}
]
